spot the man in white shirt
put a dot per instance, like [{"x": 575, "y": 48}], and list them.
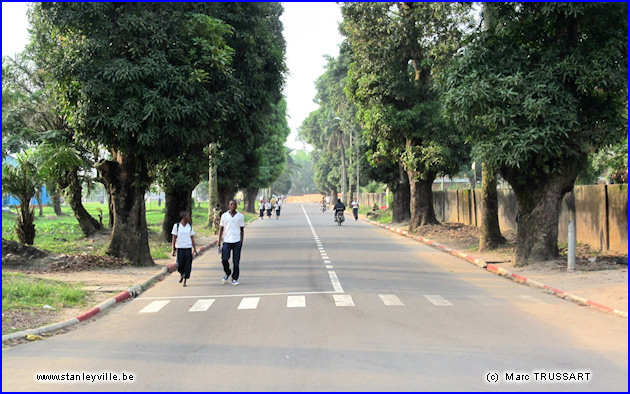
[
  {"x": 355, "y": 209},
  {"x": 233, "y": 224}
]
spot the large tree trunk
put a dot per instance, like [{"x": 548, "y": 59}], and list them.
[
  {"x": 127, "y": 179},
  {"x": 401, "y": 209},
  {"x": 110, "y": 205},
  {"x": 422, "y": 211},
  {"x": 55, "y": 196},
  {"x": 334, "y": 195},
  {"x": 249, "y": 196},
  {"x": 175, "y": 202},
  {"x": 224, "y": 195},
  {"x": 491, "y": 237},
  {"x": 25, "y": 226},
  {"x": 72, "y": 184},
  {"x": 539, "y": 202}
]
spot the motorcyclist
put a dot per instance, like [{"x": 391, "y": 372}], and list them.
[
  {"x": 339, "y": 207},
  {"x": 322, "y": 204}
]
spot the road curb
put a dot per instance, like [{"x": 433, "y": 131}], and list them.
[
  {"x": 501, "y": 271},
  {"x": 131, "y": 292}
]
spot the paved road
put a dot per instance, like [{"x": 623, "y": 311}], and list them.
[{"x": 322, "y": 307}]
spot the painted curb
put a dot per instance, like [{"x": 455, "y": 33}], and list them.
[
  {"x": 503, "y": 272},
  {"x": 131, "y": 292}
]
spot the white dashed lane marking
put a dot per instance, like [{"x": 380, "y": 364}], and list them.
[{"x": 343, "y": 300}]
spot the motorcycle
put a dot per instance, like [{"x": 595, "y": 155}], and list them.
[{"x": 339, "y": 218}]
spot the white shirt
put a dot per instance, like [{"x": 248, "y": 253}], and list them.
[
  {"x": 355, "y": 204},
  {"x": 183, "y": 237},
  {"x": 232, "y": 226},
  {"x": 278, "y": 204},
  {"x": 261, "y": 206},
  {"x": 268, "y": 205}
]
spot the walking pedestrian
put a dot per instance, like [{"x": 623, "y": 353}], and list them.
[
  {"x": 261, "y": 208},
  {"x": 355, "y": 209},
  {"x": 183, "y": 240},
  {"x": 268, "y": 208},
  {"x": 278, "y": 207},
  {"x": 233, "y": 225}
]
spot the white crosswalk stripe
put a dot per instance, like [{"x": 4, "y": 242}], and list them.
[
  {"x": 201, "y": 305},
  {"x": 437, "y": 300},
  {"x": 249, "y": 303},
  {"x": 299, "y": 301},
  {"x": 343, "y": 300},
  {"x": 390, "y": 300},
  {"x": 154, "y": 306},
  {"x": 296, "y": 302}
]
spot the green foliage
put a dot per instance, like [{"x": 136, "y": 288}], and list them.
[
  {"x": 544, "y": 88},
  {"x": 398, "y": 49},
  {"x": 139, "y": 78},
  {"x": 302, "y": 177}
]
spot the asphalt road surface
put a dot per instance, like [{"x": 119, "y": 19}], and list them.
[{"x": 322, "y": 308}]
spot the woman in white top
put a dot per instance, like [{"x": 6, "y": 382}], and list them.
[
  {"x": 268, "y": 208},
  {"x": 184, "y": 242}
]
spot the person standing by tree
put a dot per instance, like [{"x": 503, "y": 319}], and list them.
[
  {"x": 184, "y": 242},
  {"x": 233, "y": 224},
  {"x": 216, "y": 218}
]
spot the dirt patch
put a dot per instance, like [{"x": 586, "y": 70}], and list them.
[{"x": 599, "y": 277}]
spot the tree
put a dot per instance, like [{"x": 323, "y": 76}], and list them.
[
  {"x": 60, "y": 164},
  {"x": 537, "y": 94},
  {"x": 258, "y": 75},
  {"x": 178, "y": 178},
  {"x": 142, "y": 79},
  {"x": 398, "y": 50},
  {"x": 22, "y": 181},
  {"x": 32, "y": 120},
  {"x": 302, "y": 177}
]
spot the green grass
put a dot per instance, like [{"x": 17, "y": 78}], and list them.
[
  {"x": 384, "y": 217},
  {"x": 20, "y": 291}
]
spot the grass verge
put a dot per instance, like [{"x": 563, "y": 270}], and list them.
[{"x": 21, "y": 291}]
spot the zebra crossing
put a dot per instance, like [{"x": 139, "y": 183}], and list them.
[{"x": 346, "y": 300}]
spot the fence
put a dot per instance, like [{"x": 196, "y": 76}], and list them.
[{"x": 601, "y": 213}]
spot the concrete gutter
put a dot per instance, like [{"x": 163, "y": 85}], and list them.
[{"x": 501, "y": 271}]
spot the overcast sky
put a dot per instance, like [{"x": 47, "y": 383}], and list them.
[{"x": 310, "y": 29}]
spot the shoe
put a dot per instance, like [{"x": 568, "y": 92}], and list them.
[
  {"x": 235, "y": 282},
  {"x": 181, "y": 278},
  {"x": 224, "y": 280}
]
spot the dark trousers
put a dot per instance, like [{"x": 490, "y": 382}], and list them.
[
  {"x": 235, "y": 248},
  {"x": 184, "y": 262},
  {"x": 277, "y": 211},
  {"x": 355, "y": 212}
]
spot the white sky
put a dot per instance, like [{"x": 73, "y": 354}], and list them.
[{"x": 310, "y": 30}]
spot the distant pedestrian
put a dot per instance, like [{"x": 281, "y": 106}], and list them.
[
  {"x": 268, "y": 208},
  {"x": 183, "y": 240},
  {"x": 355, "y": 209},
  {"x": 233, "y": 225},
  {"x": 278, "y": 207},
  {"x": 261, "y": 208}
]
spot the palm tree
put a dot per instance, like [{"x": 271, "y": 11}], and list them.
[{"x": 23, "y": 181}]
